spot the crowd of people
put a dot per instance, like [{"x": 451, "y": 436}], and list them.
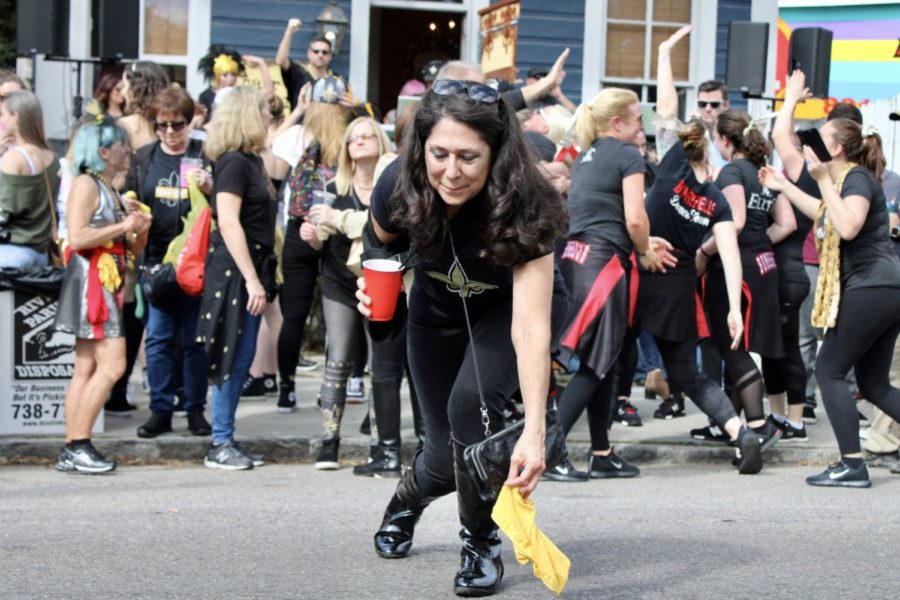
[{"x": 538, "y": 233}]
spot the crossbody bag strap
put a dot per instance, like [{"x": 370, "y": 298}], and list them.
[
  {"x": 485, "y": 416},
  {"x": 53, "y": 230}
]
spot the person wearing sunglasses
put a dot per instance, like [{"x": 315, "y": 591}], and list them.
[
  {"x": 467, "y": 196},
  {"x": 155, "y": 177},
  {"x": 295, "y": 75},
  {"x": 712, "y": 100}
]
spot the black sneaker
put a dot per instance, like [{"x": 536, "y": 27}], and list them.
[
  {"x": 842, "y": 475},
  {"x": 789, "y": 433},
  {"x": 287, "y": 399},
  {"x": 768, "y": 434},
  {"x": 197, "y": 423},
  {"x": 669, "y": 409},
  {"x": 712, "y": 433},
  {"x": 227, "y": 457},
  {"x": 608, "y": 467},
  {"x": 809, "y": 414},
  {"x": 306, "y": 365},
  {"x": 748, "y": 452},
  {"x": 257, "y": 459},
  {"x": 385, "y": 462},
  {"x": 565, "y": 472},
  {"x": 156, "y": 425},
  {"x": 83, "y": 459},
  {"x": 328, "y": 455},
  {"x": 627, "y": 414},
  {"x": 254, "y": 388}
]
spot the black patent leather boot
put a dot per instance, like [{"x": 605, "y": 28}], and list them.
[
  {"x": 480, "y": 567},
  {"x": 394, "y": 538}
]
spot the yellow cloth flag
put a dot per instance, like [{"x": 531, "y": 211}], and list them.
[{"x": 515, "y": 516}]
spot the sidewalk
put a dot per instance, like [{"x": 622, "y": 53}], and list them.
[{"x": 295, "y": 437}]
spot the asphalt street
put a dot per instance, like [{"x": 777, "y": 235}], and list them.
[{"x": 288, "y": 531}]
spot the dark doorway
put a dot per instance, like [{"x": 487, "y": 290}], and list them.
[{"x": 404, "y": 41}]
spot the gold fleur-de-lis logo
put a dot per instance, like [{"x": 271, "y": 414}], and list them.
[{"x": 458, "y": 282}]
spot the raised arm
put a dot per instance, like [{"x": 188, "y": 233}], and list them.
[
  {"x": 666, "y": 95},
  {"x": 783, "y": 131},
  {"x": 267, "y": 86},
  {"x": 283, "y": 55},
  {"x": 552, "y": 80}
]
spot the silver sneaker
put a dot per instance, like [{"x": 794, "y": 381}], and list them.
[{"x": 227, "y": 457}]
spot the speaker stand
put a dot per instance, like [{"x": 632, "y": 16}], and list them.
[{"x": 78, "y": 99}]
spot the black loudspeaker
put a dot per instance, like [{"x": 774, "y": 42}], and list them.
[
  {"x": 42, "y": 27},
  {"x": 748, "y": 47},
  {"x": 811, "y": 53},
  {"x": 115, "y": 33}
]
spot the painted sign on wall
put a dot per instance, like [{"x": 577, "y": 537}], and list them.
[{"x": 865, "y": 53}]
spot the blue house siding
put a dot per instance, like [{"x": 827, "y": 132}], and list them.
[
  {"x": 256, "y": 27},
  {"x": 546, "y": 27},
  {"x": 729, "y": 10}
]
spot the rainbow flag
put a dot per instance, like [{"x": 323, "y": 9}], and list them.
[{"x": 865, "y": 54}]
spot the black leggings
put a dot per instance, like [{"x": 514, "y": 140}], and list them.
[
  {"x": 681, "y": 366},
  {"x": 300, "y": 267},
  {"x": 440, "y": 359},
  {"x": 134, "y": 331},
  {"x": 788, "y": 374},
  {"x": 389, "y": 362},
  {"x": 867, "y": 328}
]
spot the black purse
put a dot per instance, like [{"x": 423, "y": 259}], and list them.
[
  {"x": 158, "y": 282},
  {"x": 488, "y": 461}
]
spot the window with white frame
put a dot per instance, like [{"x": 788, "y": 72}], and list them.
[
  {"x": 634, "y": 30},
  {"x": 175, "y": 34}
]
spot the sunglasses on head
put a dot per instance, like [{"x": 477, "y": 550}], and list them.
[
  {"x": 322, "y": 51},
  {"x": 710, "y": 103},
  {"x": 176, "y": 126},
  {"x": 476, "y": 91}
]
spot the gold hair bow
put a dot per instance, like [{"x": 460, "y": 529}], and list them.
[{"x": 224, "y": 64}]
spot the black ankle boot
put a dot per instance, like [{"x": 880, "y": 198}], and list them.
[
  {"x": 385, "y": 462},
  {"x": 394, "y": 538},
  {"x": 480, "y": 568},
  {"x": 156, "y": 425}
]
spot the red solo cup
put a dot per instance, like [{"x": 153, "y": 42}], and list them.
[{"x": 383, "y": 278}]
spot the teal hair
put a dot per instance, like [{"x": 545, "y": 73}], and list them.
[{"x": 88, "y": 141}]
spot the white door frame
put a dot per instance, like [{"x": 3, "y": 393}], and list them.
[{"x": 360, "y": 11}]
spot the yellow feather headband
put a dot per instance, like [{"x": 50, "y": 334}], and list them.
[{"x": 224, "y": 64}]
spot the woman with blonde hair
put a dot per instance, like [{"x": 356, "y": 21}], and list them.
[
  {"x": 28, "y": 185},
  {"x": 309, "y": 155},
  {"x": 607, "y": 227},
  {"x": 364, "y": 143},
  {"x": 241, "y": 262}
]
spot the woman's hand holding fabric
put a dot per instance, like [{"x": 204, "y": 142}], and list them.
[{"x": 527, "y": 461}]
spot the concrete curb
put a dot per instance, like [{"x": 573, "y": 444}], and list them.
[{"x": 355, "y": 449}]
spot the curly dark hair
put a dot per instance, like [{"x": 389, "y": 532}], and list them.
[
  {"x": 732, "y": 124},
  {"x": 146, "y": 79},
  {"x": 525, "y": 214}
]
